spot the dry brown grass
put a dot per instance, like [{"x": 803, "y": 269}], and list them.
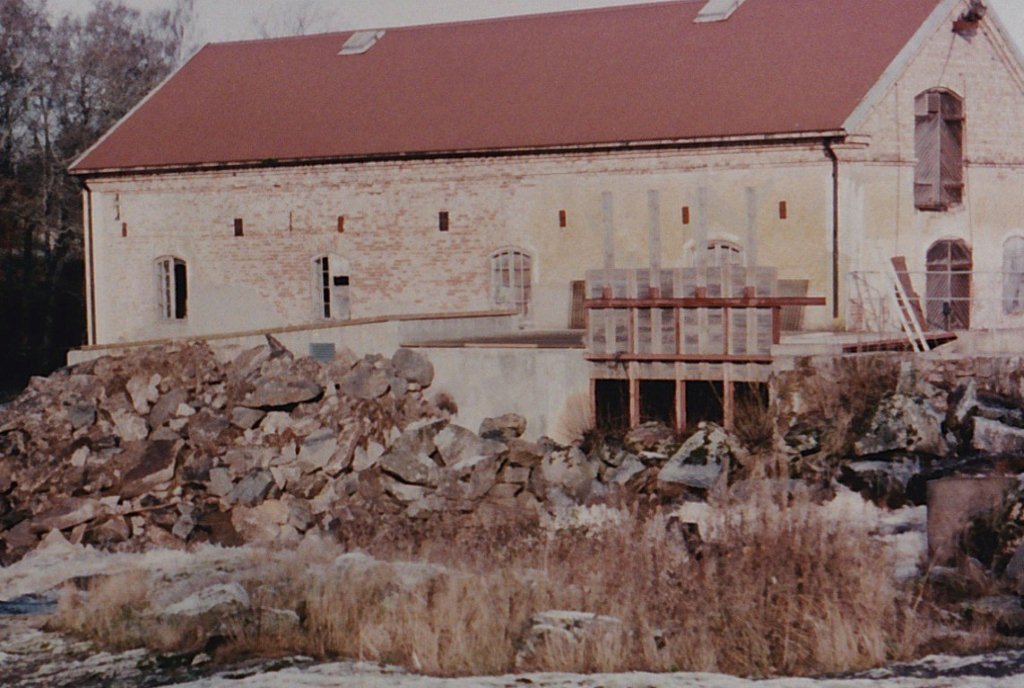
[{"x": 779, "y": 591}]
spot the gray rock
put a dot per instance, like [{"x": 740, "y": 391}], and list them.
[
  {"x": 566, "y": 633},
  {"x": 704, "y": 459},
  {"x": 630, "y": 468},
  {"x": 246, "y": 418},
  {"x": 81, "y": 414},
  {"x": 993, "y": 437},
  {"x": 165, "y": 407},
  {"x": 412, "y": 468},
  {"x": 221, "y": 600},
  {"x": 142, "y": 390},
  {"x": 456, "y": 444},
  {"x": 503, "y": 428},
  {"x": 1015, "y": 568},
  {"x": 904, "y": 423},
  {"x": 570, "y": 470},
  {"x": 367, "y": 457},
  {"x": 364, "y": 381},
  {"x": 1003, "y": 612},
  {"x": 252, "y": 489},
  {"x": 317, "y": 450},
  {"x": 205, "y": 428},
  {"x": 650, "y": 437},
  {"x": 220, "y": 482},
  {"x": 275, "y": 393},
  {"x": 148, "y": 464},
  {"x": 413, "y": 366}
]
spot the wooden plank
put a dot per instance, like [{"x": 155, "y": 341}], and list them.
[
  {"x": 680, "y": 358},
  {"x": 709, "y": 302},
  {"x": 577, "y": 312}
]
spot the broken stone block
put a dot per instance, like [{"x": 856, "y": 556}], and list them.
[
  {"x": 569, "y": 470},
  {"x": 456, "y": 444},
  {"x": 904, "y": 423},
  {"x": 413, "y": 366},
  {"x": 128, "y": 426},
  {"x": 364, "y": 381},
  {"x": 564, "y": 633},
  {"x": 246, "y": 418},
  {"x": 252, "y": 489},
  {"x": 142, "y": 390},
  {"x": 403, "y": 492},
  {"x": 503, "y": 428},
  {"x": 704, "y": 458},
  {"x": 221, "y": 600},
  {"x": 650, "y": 437},
  {"x": 317, "y": 450},
  {"x": 81, "y": 415},
  {"x": 274, "y": 393},
  {"x": 416, "y": 469},
  {"x": 267, "y": 523},
  {"x": 68, "y": 513},
  {"x": 147, "y": 465},
  {"x": 366, "y": 458},
  {"x": 993, "y": 437}
]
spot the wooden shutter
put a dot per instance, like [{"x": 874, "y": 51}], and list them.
[{"x": 927, "y": 173}]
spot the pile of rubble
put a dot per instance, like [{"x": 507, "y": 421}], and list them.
[{"x": 167, "y": 446}]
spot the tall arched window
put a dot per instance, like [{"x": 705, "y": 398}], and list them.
[
  {"x": 1013, "y": 275},
  {"x": 720, "y": 253},
  {"x": 511, "y": 278},
  {"x": 172, "y": 288},
  {"x": 939, "y": 147},
  {"x": 331, "y": 288},
  {"x": 948, "y": 285}
]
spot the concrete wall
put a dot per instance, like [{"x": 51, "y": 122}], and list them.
[{"x": 550, "y": 387}]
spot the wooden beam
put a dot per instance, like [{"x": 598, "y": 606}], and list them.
[
  {"x": 709, "y": 302},
  {"x": 680, "y": 358}
]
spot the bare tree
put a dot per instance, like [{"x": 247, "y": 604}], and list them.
[{"x": 61, "y": 86}]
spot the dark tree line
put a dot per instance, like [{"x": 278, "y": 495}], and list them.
[{"x": 63, "y": 83}]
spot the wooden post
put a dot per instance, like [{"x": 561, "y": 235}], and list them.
[
  {"x": 654, "y": 231},
  {"x": 634, "y": 397},
  {"x": 680, "y": 416},
  {"x": 729, "y": 397}
]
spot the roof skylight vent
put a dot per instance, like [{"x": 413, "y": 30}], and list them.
[
  {"x": 716, "y": 11},
  {"x": 360, "y": 41}
]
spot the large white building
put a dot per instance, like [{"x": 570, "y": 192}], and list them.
[{"x": 354, "y": 188}]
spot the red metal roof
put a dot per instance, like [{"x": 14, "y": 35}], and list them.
[{"x": 623, "y": 74}]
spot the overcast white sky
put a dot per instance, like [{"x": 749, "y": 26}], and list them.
[{"x": 221, "y": 20}]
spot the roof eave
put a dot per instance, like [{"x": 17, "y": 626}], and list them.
[{"x": 695, "y": 142}]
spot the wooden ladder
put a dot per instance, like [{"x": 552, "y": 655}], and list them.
[{"x": 908, "y": 304}]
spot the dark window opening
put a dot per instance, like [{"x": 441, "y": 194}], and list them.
[
  {"x": 562, "y": 219},
  {"x": 180, "y": 291},
  {"x": 341, "y": 224},
  {"x": 611, "y": 404},
  {"x": 686, "y": 214},
  {"x": 704, "y": 401},
  {"x": 341, "y": 280},
  {"x": 442, "y": 221},
  {"x": 783, "y": 210},
  {"x": 658, "y": 401},
  {"x": 325, "y": 284},
  {"x": 124, "y": 229},
  {"x": 239, "y": 227}
]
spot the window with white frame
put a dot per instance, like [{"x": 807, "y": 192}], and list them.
[
  {"x": 939, "y": 148},
  {"x": 172, "y": 288},
  {"x": 1013, "y": 275},
  {"x": 511, "y": 278},
  {"x": 331, "y": 286}
]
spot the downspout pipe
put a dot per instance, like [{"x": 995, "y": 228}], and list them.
[
  {"x": 831, "y": 154},
  {"x": 90, "y": 268}
]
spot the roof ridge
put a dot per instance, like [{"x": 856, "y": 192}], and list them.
[{"x": 458, "y": 22}]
